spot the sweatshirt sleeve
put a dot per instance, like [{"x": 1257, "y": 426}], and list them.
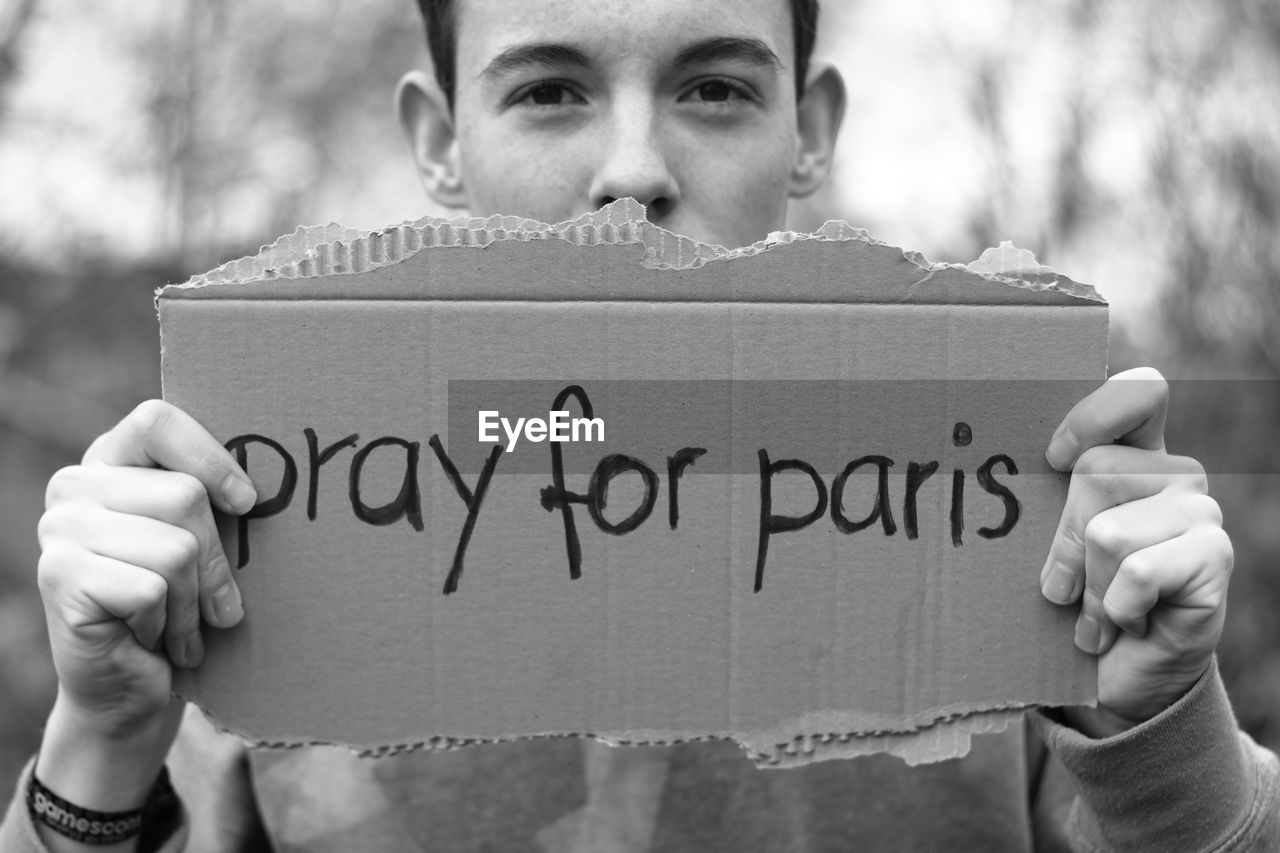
[
  {"x": 1187, "y": 779},
  {"x": 210, "y": 773},
  {"x": 18, "y": 831}
]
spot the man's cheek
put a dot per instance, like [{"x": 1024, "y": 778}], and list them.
[
  {"x": 525, "y": 186},
  {"x": 758, "y": 206},
  {"x": 755, "y": 173}
]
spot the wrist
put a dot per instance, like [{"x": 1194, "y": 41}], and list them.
[
  {"x": 1096, "y": 723},
  {"x": 99, "y": 768},
  {"x": 66, "y": 827}
]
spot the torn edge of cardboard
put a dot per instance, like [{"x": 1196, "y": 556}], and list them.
[
  {"x": 313, "y": 252},
  {"x": 822, "y": 739}
]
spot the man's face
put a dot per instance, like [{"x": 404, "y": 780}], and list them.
[{"x": 687, "y": 105}]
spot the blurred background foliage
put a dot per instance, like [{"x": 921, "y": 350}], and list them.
[{"x": 1133, "y": 144}]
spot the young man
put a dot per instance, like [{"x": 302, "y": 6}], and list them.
[{"x": 547, "y": 109}]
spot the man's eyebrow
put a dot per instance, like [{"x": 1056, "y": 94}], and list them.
[
  {"x": 541, "y": 53},
  {"x": 749, "y": 50}
]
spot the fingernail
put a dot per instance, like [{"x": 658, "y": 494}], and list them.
[
  {"x": 1063, "y": 449},
  {"x": 227, "y": 605},
  {"x": 1088, "y": 633},
  {"x": 193, "y": 652},
  {"x": 238, "y": 493},
  {"x": 1059, "y": 584}
]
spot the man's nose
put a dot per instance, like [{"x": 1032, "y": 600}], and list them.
[{"x": 635, "y": 164}]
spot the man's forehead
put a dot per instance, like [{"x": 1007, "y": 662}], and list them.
[
  {"x": 663, "y": 29},
  {"x": 743, "y": 50}
]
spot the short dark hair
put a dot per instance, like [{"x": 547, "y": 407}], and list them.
[{"x": 441, "y": 23}]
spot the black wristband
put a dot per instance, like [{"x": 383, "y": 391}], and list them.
[{"x": 93, "y": 827}]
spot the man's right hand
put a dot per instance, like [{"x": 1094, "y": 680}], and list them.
[{"x": 130, "y": 565}]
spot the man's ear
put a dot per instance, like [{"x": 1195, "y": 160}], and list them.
[
  {"x": 427, "y": 123},
  {"x": 819, "y": 115}
]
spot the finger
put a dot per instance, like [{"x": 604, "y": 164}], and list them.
[
  {"x": 1112, "y": 536},
  {"x": 1129, "y": 408},
  {"x": 1105, "y": 477},
  {"x": 1189, "y": 571},
  {"x": 166, "y": 496},
  {"x": 169, "y": 552},
  {"x": 87, "y": 589},
  {"x": 159, "y": 434}
]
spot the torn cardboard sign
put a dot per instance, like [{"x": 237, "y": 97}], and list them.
[{"x": 796, "y": 495}]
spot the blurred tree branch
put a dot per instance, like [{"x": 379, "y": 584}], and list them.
[{"x": 15, "y": 15}]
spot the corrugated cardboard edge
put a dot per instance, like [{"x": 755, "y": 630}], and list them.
[
  {"x": 825, "y": 736},
  {"x": 317, "y": 251},
  {"x": 948, "y": 736}
]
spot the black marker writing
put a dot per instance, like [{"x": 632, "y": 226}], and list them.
[
  {"x": 263, "y": 508},
  {"x": 916, "y": 475},
  {"x": 683, "y": 458},
  {"x": 1012, "y": 508},
  {"x": 407, "y": 504},
  {"x": 770, "y": 523},
  {"x": 598, "y": 492},
  {"x": 881, "y": 510},
  {"x": 317, "y": 458},
  {"x": 471, "y": 499},
  {"x": 555, "y": 496}
]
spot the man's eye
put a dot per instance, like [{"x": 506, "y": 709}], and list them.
[
  {"x": 547, "y": 94},
  {"x": 717, "y": 92}
]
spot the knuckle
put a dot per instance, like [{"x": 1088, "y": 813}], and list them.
[
  {"x": 47, "y": 528},
  {"x": 1122, "y": 610},
  {"x": 1207, "y": 509},
  {"x": 208, "y": 464},
  {"x": 1104, "y": 535},
  {"x": 65, "y": 484},
  {"x": 1220, "y": 542},
  {"x": 1098, "y": 463},
  {"x": 64, "y": 522},
  {"x": 153, "y": 590},
  {"x": 189, "y": 547},
  {"x": 149, "y": 418},
  {"x": 1137, "y": 571},
  {"x": 1151, "y": 378},
  {"x": 51, "y": 570},
  {"x": 181, "y": 549},
  {"x": 91, "y": 451},
  {"x": 188, "y": 495},
  {"x": 1159, "y": 385},
  {"x": 1193, "y": 476}
]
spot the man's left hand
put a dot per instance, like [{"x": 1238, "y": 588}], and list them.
[{"x": 1142, "y": 543}]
